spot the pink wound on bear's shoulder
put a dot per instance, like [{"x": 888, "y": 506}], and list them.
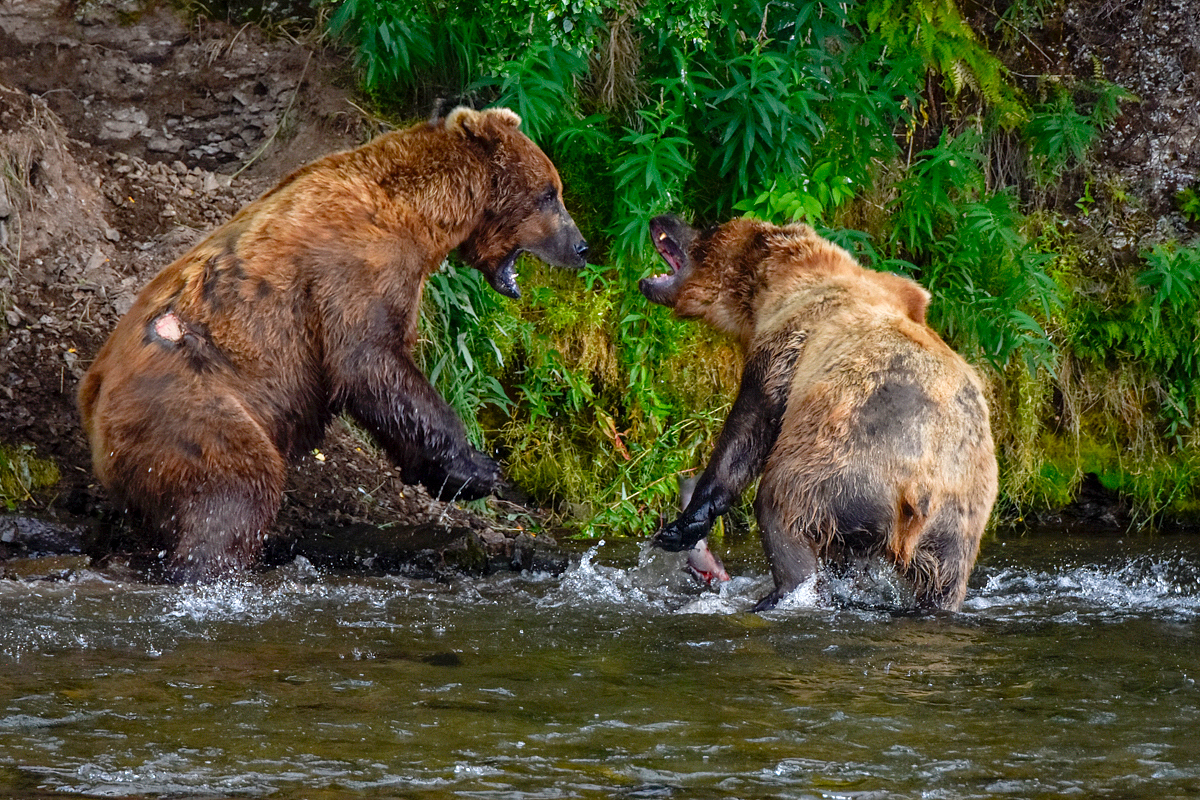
[{"x": 169, "y": 327}]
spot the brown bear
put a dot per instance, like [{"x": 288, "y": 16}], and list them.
[
  {"x": 234, "y": 358},
  {"x": 870, "y": 433}
]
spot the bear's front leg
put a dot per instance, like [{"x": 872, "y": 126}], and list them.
[
  {"x": 383, "y": 389},
  {"x": 746, "y": 440}
]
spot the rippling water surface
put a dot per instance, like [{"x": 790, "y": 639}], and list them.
[{"x": 1070, "y": 672}]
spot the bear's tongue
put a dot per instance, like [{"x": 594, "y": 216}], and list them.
[{"x": 669, "y": 250}]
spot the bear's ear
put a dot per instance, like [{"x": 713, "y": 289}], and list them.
[
  {"x": 908, "y": 295},
  {"x": 915, "y": 299},
  {"x": 483, "y": 125},
  {"x": 502, "y": 116}
]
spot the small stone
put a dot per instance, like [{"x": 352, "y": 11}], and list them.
[
  {"x": 118, "y": 130},
  {"x": 98, "y": 258}
]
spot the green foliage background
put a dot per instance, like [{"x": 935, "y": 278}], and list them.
[{"x": 891, "y": 126}]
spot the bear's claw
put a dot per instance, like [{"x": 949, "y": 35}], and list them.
[{"x": 680, "y": 535}]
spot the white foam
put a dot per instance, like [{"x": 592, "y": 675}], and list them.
[{"x": 1161, "y": 586}]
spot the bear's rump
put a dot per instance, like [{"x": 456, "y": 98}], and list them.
[
  {"x": 868, "y": 455},
  {"x": 161, "y": 433}
]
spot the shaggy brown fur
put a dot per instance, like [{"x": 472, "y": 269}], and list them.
[
  {"x": 235, "y": 357},
  {"x": 871, "y": 434}
]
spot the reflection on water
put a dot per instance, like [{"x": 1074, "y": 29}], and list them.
[{"x": 1071, "y": 671}]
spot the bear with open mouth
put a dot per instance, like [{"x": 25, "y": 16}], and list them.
[
  {"x": 870, "y": 434},
  {"x": 234, "y": 358}
]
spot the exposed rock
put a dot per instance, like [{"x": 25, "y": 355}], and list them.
[
  {"x": 30, "y": 536},
  {"x": 425, "y": 550},
  {"x": 1152, "y": 49},
  {"x": 431, "y": 549}
]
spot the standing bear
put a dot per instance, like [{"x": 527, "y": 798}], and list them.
[
  {"x": 870, "y": 433},
  {"x": 234, "y": 358}
]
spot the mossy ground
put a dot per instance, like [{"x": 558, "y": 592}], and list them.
[{"x": 23, "y": 475}]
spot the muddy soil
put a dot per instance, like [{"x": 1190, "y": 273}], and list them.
[{"x": 125, "y": 135}]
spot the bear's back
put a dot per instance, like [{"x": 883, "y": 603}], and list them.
[{"x": 874, "y": 387}]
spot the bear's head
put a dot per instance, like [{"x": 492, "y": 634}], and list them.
[
  {"x": 724, "y": 274},
  {"x": 524, "y": 209}
]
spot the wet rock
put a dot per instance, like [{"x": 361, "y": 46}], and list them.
[
  {"x": 538, "y": 554},
  {"x": 27, "y": 535},
  {"x": 426, "y": 550},
  {"x": 1098, "y": 506}
]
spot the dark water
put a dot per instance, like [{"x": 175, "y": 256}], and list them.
[{"x": 1070, "y": 673}]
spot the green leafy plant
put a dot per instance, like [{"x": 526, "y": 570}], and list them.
[
  {"x": 461, "y": 327},
  {"x": 1189, "y": 203},
  {"x": 937, "y": 31},
  {"x": 1062, "y": 131}
]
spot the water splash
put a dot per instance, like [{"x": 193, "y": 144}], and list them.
[
  {"x": 589, "y": 582},
  {"x": 1159, "y": 585},
  {"x": 660, "y": 583},
  {"x": 1162, "y": 583}
]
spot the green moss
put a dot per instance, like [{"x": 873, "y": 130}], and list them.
[{"x": 22, "y": 474}]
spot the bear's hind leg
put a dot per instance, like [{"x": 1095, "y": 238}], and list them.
[
  {"x": 944, "y": 558},
  {"x": 791, "y": 550},
  {"x": 221, "y": 529},
  {"x": 793, "y": 561},
  {"x": 202, "y": 471}
]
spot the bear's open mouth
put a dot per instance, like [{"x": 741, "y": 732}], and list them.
[
  {"x": 504, "y": 278},
  {"x": 669, "y": 249}
]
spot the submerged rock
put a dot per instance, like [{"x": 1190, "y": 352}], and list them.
[
  {"x": 45, "y": 568},
  {"x": 43, "y": 549}
]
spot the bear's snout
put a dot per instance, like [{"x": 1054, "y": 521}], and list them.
[{"x": 563, "y": 245}]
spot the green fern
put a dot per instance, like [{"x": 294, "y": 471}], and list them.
[
  {"x": 946, "y": 43},
  {"x": 1062, "y": 132}
]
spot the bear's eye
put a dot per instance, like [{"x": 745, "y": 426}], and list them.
[{"x": 548, "y": 197}]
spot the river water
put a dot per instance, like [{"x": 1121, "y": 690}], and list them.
[{"x": 1071, "y": 672}]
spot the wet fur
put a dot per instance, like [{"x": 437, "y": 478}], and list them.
[
  {"x": 233, "y": 359},
  {"x": 870, "y": 434}
]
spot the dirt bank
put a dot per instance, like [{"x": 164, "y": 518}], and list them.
[{"x": 125, "y": 135}]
